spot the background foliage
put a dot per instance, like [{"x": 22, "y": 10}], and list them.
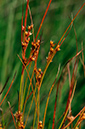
[{"x": 53, "y": 27}]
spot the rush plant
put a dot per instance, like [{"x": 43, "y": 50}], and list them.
[{"x": 32, "y": 76}]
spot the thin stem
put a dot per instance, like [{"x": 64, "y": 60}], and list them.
[
  {"x": 43, "y": 19},
  {"x": 48, "y": 99},
  {"x": 79, "y": 119},
  {"x": 12, "y": 115},
  {"x": 34, "y": 118},
  {"x": 74, "y": 118},
  {"x": 26, "y": 14},
  {"x": 21, "y": 92},
  {"x": 25, "y": 86},
  {"x": 31, "y": 21},
  {"x": 29, "y": 111},
  {"x": 70, "y": 24},
  {"x": 28, "y": 93},
  {"x": 8, "y": 89},
  {"x": 38, "y": 101},
  {"x": 55, "y": 102},
  {"x": 68, "y": 106}
]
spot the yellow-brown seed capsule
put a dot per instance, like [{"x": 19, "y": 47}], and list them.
[
  {"x": 39, "y": 77},
  {"x": 30, "y": 27},
  {"x": 32, "y": 58},
  {"x": 26, "y": 33},
  {"x": 29, "y": 33},
  {"x": 27, "y": 41},
  {"x": 58, "y": 47},
  {"x": 38, "y": 41},
  {"x": 70, "y": 118},
  {"x": 39, "y": 70},
  {"x": 51, "y": 42},
  {"x": 1, "y": 126},
  {"x": 83, "y": 116},
  {"x": 18, "y": 116},
  {"x": 40, "y": 124},
  {"x": 33, "y": 45},
  {"x": 51, "y": 49},
  {"x": 24, "y": 44},
  {"x": 21, "y": 126}
]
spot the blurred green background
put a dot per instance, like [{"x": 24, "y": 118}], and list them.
[{"x": 55, "y": 23}]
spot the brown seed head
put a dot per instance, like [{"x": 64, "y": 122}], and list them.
[
  {"x": 51, "y": 49},
  {"x": 26, "y": 33},
  {"x": 83, "y": 116},
  {"x": 51, "y": 42},
  {"x": 33, "y": 58},
  {"x": 40, "y": 122},
  {"x": 39, "y": 70},
  {"x": 70, "y": 118},
  {"x": 30, "y": 27},
  {"x": 38, "y": 41},
  {"x": 58, "y": 47}
]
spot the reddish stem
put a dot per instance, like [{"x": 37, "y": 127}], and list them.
[
  {"x": 8, "y": 89},
  {"x": 22, "y": 28},
  {"x": 43, "y": 19},
  {"x": 70, "y": 91},
  {"x": 12, "y": 115},
  {"x": 26, "y": 14},
  {"x": 22, "y": 70}
]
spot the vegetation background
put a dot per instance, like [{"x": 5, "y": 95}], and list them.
[{"x": 55, "y": 23}]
